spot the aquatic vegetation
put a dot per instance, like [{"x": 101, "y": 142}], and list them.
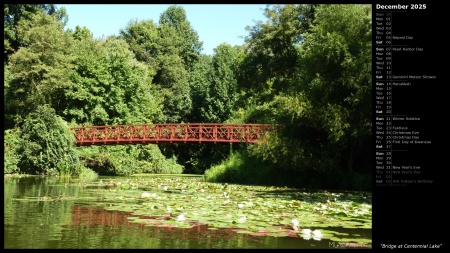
[
  {"x": 181, "y": 217},
  {"x": 295, "y": 224},
  {"x": 254, "y": 210},
  {"x": 145, "y": 195}
]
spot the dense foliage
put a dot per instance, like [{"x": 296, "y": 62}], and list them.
[
  {"x": 306, "y": 67},
  {"x": 43, "y": 145}
]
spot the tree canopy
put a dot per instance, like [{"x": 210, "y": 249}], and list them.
[{"x": 306, "y": 67}]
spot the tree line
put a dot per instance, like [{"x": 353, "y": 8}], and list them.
[{"x": 307, "y": 67}]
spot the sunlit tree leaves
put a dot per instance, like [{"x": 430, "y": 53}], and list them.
[{"x": 40, "y": 72}]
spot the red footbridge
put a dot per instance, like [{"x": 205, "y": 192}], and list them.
[{"x": 171, "y": 133}]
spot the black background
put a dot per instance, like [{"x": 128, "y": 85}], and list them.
[{"x": 416, "y": 214}]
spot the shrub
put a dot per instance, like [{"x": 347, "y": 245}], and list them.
[
  {"x": 11, "y": 155},
  {"x": 47, "y": 144}
]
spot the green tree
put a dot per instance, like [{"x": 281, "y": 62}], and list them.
[
  {"x": 82, "y": 33},
  {"x": 336, "y": 76},
  {"x": 11, "y": 155},
  {"x": 143, "y": 39},
  {"x": 188, "y": 40},
  {"x": 223, "y": 90},
  {"x": 110, "y": 86},
  {"x": 40, "y": 72},
  {"x": 323, "y": 97},
  {"x": 171, "y": 49},
  {"x": 13, "y": 14},
  {"x": 271, "y": 49},
  {"x": 47, "y": 145},
  {"x": 200, "y": 79}
]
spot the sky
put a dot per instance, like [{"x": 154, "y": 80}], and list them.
[{"x": 214, "y": 23}]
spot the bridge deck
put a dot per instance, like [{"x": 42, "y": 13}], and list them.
[{"x": 169, "y": 133}]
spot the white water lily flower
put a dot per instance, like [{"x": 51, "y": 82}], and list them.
[
  {"x": 317, "y": 233},
  {"x": 202, "y": 190},
  {"x": 165, "y": 188},
  {"x": 243, "y": 218},
  {"x": 181, "y": 217},
  {"x": 295, "y": 224},
  {"x": 306, "y": 231},
  {"x": 317, "y": 238},
  {"x": 145, "y": 195},
  {"x": 240, "y": 205}
]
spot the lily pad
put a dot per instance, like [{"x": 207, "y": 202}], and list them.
[
  {"x": 268, "y": 210},
  {"x": 277, "y": 234}
]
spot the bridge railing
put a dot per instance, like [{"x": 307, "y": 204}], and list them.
[{"x": 168, "y": 133}]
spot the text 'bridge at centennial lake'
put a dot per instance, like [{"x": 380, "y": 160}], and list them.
[{"x": 171, "y": 133}]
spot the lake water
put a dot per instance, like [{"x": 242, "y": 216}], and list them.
[{"x": 63, "y": 213}]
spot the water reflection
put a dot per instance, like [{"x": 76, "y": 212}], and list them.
[{"x": 41, "y": 213}]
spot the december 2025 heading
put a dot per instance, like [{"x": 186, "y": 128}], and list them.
[{"x": 401, "y": 6}]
